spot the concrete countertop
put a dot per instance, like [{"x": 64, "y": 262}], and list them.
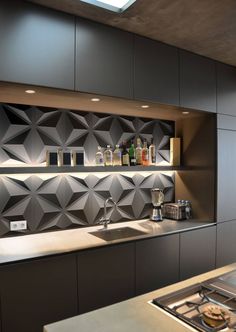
[
  {"x": 134, "y": 315},
  {"x": 17, "y": 248}
]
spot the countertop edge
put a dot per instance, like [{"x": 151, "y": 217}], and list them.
[
  {"x": 11, "y": 255},
  {"x": 136, "y": 314}
]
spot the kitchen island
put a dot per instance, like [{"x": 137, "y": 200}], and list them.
[{"x": 134, "y": 315}]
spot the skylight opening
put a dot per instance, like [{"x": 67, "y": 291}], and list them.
[{"x": 117, "y": 6}]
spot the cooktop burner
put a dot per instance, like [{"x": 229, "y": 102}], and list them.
[{"x": 189, "y": 304}]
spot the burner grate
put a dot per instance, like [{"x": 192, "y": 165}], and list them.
[{"x": 189, "y": 303}]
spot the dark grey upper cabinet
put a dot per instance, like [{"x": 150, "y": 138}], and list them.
[
  {"x": 104, "y": 59},
  {"x": 157, "y": 263},
  {"x": 105, "y": 276},
  {"x": 37, "y": 293},
  {"x": 226, "y": 244},
  {"x": 197, "y": 252},
  {"x": 226, "y": 122},
  {"x": 156, "y": 73},
  {"x": 226, "y": 89},
  {"x": 37, "y": 45},
  {"x": 197, "y": 82},
  {"x": 226, "y": 184}
]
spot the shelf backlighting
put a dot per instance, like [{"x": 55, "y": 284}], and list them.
[{"x": 117, "y": 6}]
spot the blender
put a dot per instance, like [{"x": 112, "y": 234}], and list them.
[{"x": 157, "y": 201}]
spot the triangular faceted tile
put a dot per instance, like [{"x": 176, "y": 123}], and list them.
[
  {"x": 50, "y": 119},
  {"x": 14, "y": 131},
  {"x": 4, "y": 227},
  {"x": 19, "y": 139},
  {"x": 17, "y": 119},
  {"x": 80, "y": 117},
  {"x": 18, "y": 209}
]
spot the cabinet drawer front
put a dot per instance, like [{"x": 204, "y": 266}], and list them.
[
  {"x": 197, "y": 252},
  {"x": 106, "y": 276},
  {"x": 157, "y": 263}
]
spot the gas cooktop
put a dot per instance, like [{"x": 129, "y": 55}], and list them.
[{"x": 190, "y": 303}]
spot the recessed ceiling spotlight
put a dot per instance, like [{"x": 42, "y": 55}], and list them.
[
  {"x": 185, "y": 112},
  {"x": 95, "y": 99},
  {"x": 145, "y": 106},
  {"x": 30, "y": 91},
  {"x": 117, "y": 6}
]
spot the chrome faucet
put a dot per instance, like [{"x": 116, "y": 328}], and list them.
[{"x": 105, "y": 220}]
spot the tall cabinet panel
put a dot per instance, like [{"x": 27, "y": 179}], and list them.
[
  {"x": 38, "y": 292},
  {"x": 226, "y": 89},
  {"x": 104, "y": 59},
  {"x": 226, "y": 191},
  {"x": 226, "y": 244},
  {"x": 106, "y": 276},
  {"x": 197, "y": 252},
  {"x": 156, "y": 71},
  {"x": 37, "y": 45},
  {"x": 157, "y": 263},
  {"x": 197, "y": 82}
]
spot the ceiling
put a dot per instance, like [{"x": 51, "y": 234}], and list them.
[{"x": 206, "y": 27}]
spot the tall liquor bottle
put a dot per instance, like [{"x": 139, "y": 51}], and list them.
[
  {"x": 145, "y": 154},
  {"x": 125, "y": 155},
  {"x": 138, "y": 152},
  {"x": 132, "y": 155},
  {"x": 152, "y": 154}
]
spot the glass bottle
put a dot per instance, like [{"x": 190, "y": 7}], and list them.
[
  {"x": 125, "y": 155},
  {"x": 117, "y": 160},
  {"x": 132, "y": 155},
  {"x": 145, "y": 154},
  {"x": 188, "y": 210},
  {"x": 108, "y": 156},
  {"x": 99, "y": 160},
  {"x": 138, "y": 152},
  {"x": 152, "y": 154}
]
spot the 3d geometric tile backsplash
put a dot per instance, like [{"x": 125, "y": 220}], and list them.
[{"x": 51, "y": 201}]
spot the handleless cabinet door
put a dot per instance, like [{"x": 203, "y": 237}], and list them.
[
  {"x": 105, "y": 276},
  {"x": 226, "y": 89},
  {"x": 226, "y": 244},
  {"x": 156, "y": 71},
  {"x": 37, "y": 45},
  {"x": 0, "y": 312},
  {"x": 37, "y": 293},
  {"x": 197, "y": 251},
  {"x": 104, "y": 59},
  {"x": 226, "y": 191},
  {"x": 157, "y": 263},
  {"x": 197, "y": 82}
]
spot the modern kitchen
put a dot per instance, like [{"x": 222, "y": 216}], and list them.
[{"x": 117, "y": 161}]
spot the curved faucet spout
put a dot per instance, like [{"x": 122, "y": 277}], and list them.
[{"x": 105, "y": 220}]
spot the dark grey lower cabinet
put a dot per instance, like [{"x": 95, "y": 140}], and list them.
[
  {"x": 38, "y": 292},
  {"x": 157, "y": 263},
  {"x": 226, "y": 244},
  {"x": 197, "y": 252},
  {"x": 0, "y": 315},
  {"x": 106, "y": 276}
]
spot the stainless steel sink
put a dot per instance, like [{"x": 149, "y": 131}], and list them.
[{"x": 117, "y": 233}]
